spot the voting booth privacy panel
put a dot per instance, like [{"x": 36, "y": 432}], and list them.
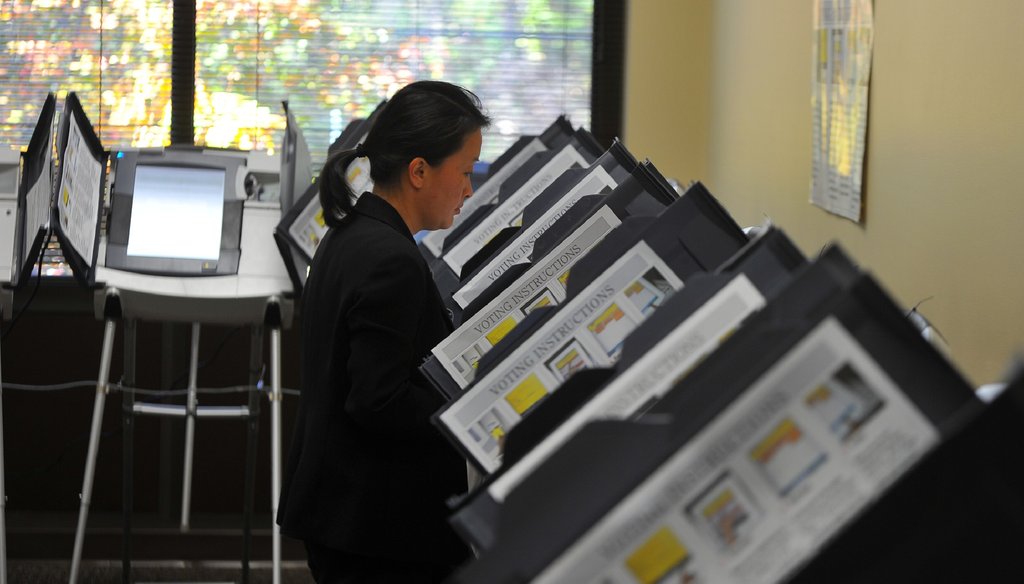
[
  {"x": 34, "y": 194},
  {"x": 62, "y": 196},
  {"x": 537, "y": 278},
  {"x": 691, "y": 324},
  {"x": 515, "y": 243},
  {"x": 302, "y": 224},
  {"x": 956, "y": 517},
  {"x": 493, "y": 224},
  {"x": 555, "y": 137},
  {"x": 610, "y": 291},
  {"x": 771, "y": 446}
]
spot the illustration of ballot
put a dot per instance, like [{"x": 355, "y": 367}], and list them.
[
  {"x": 726, "y": 510},
  {"x": 661, "y": 559},
  {"x": 844, "y": 402},
  {"x": 611, "y": 328},
  {"x": 526, "y": 395},
  {"x": 470, "y": 358},
  {"x": 311, "y": 236},
  {"x": 500, "y": 330},
  {"x": 489, "y": 430},
  {"x": 563, "y": 279},
  {"x": 644, "y": 295},
  {"x": 545, "y": 298},
  {"x": 572, "y": 358},
  {"x": 786, "y": 456}
]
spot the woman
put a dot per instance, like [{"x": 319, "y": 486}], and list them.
[{"x": 368, "y": 475}]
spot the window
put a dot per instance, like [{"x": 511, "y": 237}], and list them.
[
  {"x": 528, "y": 60},
  {"x": 115, "y": 54}
]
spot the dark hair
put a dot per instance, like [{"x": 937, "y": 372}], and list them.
[{"x": 428, "y": 119}]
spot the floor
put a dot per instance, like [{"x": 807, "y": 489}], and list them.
[
  {"x": 40, "y": 547},
  {"x": 108, "y": 571}
]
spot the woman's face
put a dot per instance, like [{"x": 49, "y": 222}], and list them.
[{"x": 447, "y": 185}]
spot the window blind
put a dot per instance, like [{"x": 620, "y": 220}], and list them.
[
  {"x": 113, "y": 53},
  {"x": 528, "y": 60}
]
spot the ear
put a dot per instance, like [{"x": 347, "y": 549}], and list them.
[{"x": 417, "y": 172}]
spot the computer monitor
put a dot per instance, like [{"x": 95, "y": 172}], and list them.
[
  {"x": 35, "y": 193},
  {"x": 175, "y": 213},
  {"x": 296, "y": 173}
]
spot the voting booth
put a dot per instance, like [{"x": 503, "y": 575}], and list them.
[
  {"x": 771, "y": 446},
  {"x": 183, "y": 244},
  {"x": 539, "y": 279},
  {"x": 615, "y": 287},
  {"x": 194, "y": 272},
  {"x": 490, "y": 226},
  {"x": 690, "y": 325},
  {"x": 64, "y": 201},
  {"x": 20, "y": 175},
  {"x": 644, "y": 392},
  {"x": 555, "y": 137},
  {"x": 302, "y": 224},
  {"x": 763, "y": 427}
]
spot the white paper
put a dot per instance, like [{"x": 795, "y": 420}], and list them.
[
  {"x": 839, "y": 100},
  {"x": 543, "y": 284},
  {"x": 509, "y": 212},
  {"x": 358, "y": 175},
  {"x": 38, "y": 199},
  {"x": 485, "y": 194},
  {"x": 768, "y": 482},
  {"x": 519, "y": 250},
  {"x": 79, "y": 199},
  {"x": 309, "y": 227},
  {"x": 649, "y": 377},
  {"x": 586, "y": 332}
]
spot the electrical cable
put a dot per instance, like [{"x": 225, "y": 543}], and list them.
[{"x": 85, "y": 383}]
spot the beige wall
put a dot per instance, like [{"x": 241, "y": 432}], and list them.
[
  {"x": 668, "y": 72},
  {"x": 720, "y": 90}
]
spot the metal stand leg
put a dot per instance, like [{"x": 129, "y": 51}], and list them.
[
  {"x": 6, "y": 305},
  {"x": 251, "y": 443},
  {"x": 3, "y": 491},
  {"x": 102, "y": 388},
  {"x": 190, "y": 428},
  {"x": 275, "y": 444},
  {"x": 127, "y": 452}
]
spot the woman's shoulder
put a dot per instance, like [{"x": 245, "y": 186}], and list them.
[{"x": 365, "y": 240}]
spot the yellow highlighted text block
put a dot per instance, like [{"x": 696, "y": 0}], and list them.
[
  {"x": 659, "y": 554},
  {"x": 526, "y": 394}
]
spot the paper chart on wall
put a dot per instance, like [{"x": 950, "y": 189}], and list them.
[{"x": 844, "y": 36}]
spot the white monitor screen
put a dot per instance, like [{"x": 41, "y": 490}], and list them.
[{"x": 177, "y": 212}]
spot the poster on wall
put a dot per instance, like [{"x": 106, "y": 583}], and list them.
[{"x": 843, "y": 40}]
